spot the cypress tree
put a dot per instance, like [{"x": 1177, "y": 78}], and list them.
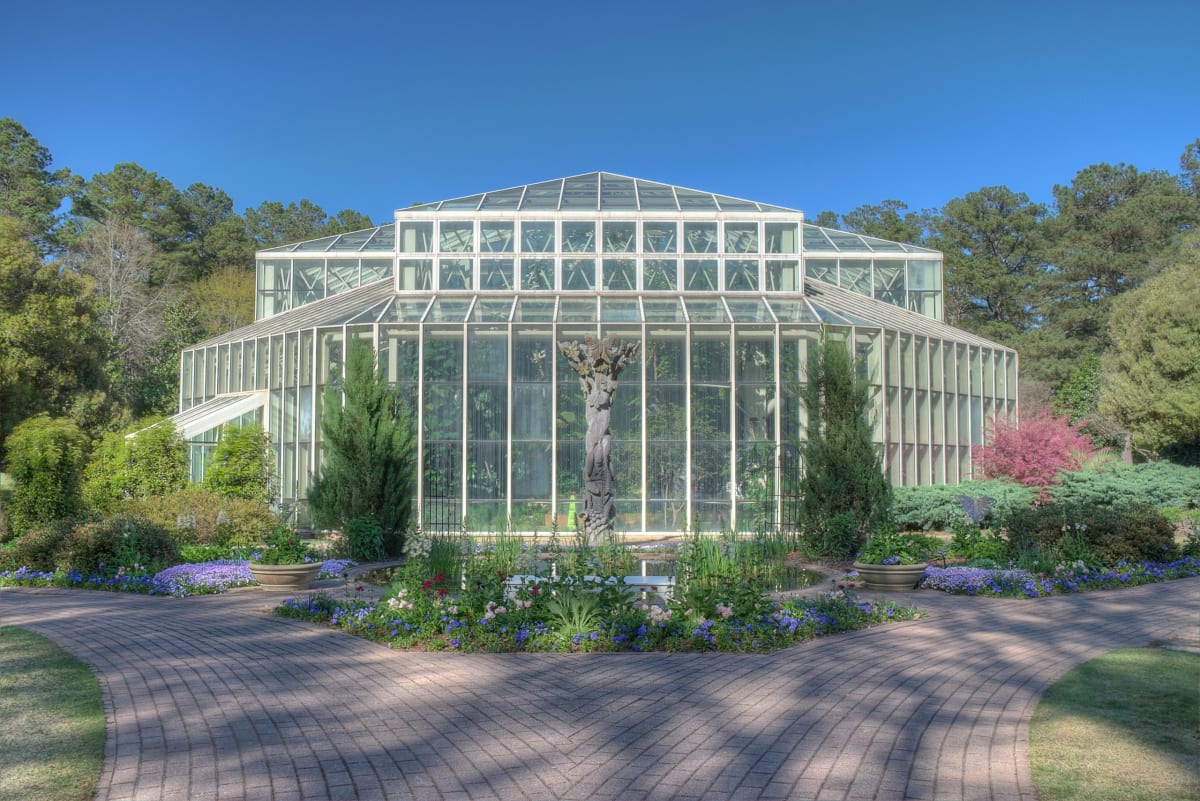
[
  {"x": 843, "y": 492},
  {"x": 369, "y": 452}
]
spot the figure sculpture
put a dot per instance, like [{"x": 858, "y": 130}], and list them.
[{"x": 598, "y": 365}]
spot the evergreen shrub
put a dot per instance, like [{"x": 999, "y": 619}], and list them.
[
  {"x": 1104, "y": 535},
  {"x": 118, "y": 544},
  {"x": 1158, "y": 484},
  {"x": 46, "y": 457},
  {"x": 36, "y": 548},
  {"x": 196, "y": 516},
  {"x": 937, "y": 508}
]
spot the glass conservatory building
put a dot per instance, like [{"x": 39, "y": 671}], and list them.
[{"x": 464, "y": 301}]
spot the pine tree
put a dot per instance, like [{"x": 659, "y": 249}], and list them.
[
  {"x": 369, "y": 450},
  {"x": 843, "y": 492}
]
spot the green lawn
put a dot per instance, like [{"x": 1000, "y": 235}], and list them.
[
  {"x": 52, "y": 737},
  {"x": 1123, "y": 727}
]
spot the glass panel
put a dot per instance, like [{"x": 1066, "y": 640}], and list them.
[
  {"x": 470, "y": 202},
  {"x": 700, "y": 275},
  {"x": 457, "y": 237},
  {"x": 492, "y": 310},
  {"x": 415, "y": 275},
  {"x": 755, "y": 365},
  {"x": 416, "y": 237},
  {"x": 398, "y": 347},
  {"x": 923, "y": 274},
  {"x": 575, "y": 310},
  {"x": 665, "y": 357},
  {"x": 455, "y": 274},
  {"x": 504, "y": 199},
  {"x": 537, "y": 274},
  {"x": 260, "y": 369},
  {"x": 530, "y": 310},
  {"x": 782, "y": 237},
  {"x": 496, "y": 236},
  {"x": 533, "y": 354},
  {"x": 815, "y": 239},
  {"x": 343, "y": 275},
  {"x": 889, "y": 282},
  {"x": 581, "y": 192},
  {"x": 620, "y": 236},
  {"x": 617, "y": 192},
  {"x": 375, "y": 269},
  {"x": 537, "y": 237},
  {"x": 783, "y": 276},
  {"x": 310, "y": 281},
  {"x": 855, "y": 275},
  {"x": 741, "y": 275},
  {"x": 531, "y": 474},
  {"x": 700, "y": 237},
  {"x": 660, "y": 236},
  {"x": 579, "y": 237},
  {"x": 487, "y": 357},
  {"x": 749, "y": 311},
  {"x": 655, "y": 196},
  {"x": 669, "y": 311},
  {"x": 305, "y": 368},
  {"x": 542, "y": 196},
  {"x": 486, "y": 479},
  {"x": 620, "y": 274},
  {"x": 821, "y": 269},
  {"x": 612, "y": 310},
  {"x": 496, "y": 274},
  {"x": 797, "y": 311},
  {"x": 706, "y": 311},
  {"x": 660, "y": 275},
  {"x": 446, "y": 310},
  {"x": 405, "y": 310},
  {"x": 578, "y": 274},
  {"x": 741, "y": 237}
]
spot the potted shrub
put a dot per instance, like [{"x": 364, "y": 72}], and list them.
[
  {"x": 891, "y": 561},
  {"x": 284, "y": 563}
]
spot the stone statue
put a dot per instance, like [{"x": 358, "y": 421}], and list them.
[{"x": 598, "y": 365}]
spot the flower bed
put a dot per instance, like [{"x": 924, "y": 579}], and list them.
[
  {"x": 1065, "y": 578},
  {"x": 198, "y": 578},
  {"x": 437, "y": 622}
]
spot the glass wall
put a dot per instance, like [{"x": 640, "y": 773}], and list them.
[{"x": 727, "y": 299}]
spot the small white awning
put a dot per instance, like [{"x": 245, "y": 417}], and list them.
[{"x": 213, "y": 413}]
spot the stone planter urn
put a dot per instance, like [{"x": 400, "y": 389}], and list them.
[
  {"x": 890, "y": 578},
  {"x": 285, "y": 578}
]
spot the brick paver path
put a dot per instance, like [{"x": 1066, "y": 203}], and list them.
[{"x": 211, "y": 699}]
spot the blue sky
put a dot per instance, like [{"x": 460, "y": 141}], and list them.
[{"x": 374, "y": 106}]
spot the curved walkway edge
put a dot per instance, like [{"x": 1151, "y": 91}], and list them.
[{"x": 211, "y": 698}]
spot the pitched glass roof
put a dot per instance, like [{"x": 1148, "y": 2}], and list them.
[
  {"x": 598, "y": 191},
  {"x": 381, "y": 239},
  {"x": 818, "y": 240}
]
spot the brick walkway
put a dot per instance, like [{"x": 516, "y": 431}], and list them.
[{"x": 211, "y": 699}]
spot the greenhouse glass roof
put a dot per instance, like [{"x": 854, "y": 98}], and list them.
[
  {"x": 598, "y": 191},
  {"x": 821, "y": 303}
]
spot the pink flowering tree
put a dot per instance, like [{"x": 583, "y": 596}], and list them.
[{"x": 1034, "y": 451}]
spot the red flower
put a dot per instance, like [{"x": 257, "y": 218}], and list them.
[
  {"x": 441, "y": 590},
  {"x": 426, "y": 584},
  {"x": 439, "y": 578},
  {"x": 534, "y": 589}
]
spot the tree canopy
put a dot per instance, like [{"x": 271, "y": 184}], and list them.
[
  {"x": 102, "y": 281},
  {"x": 1151, "y": 378}
]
